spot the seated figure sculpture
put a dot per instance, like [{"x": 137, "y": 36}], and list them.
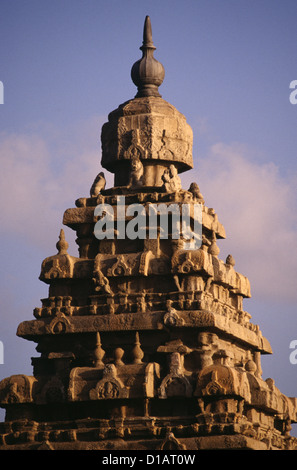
[{"x": 171, "y": 180}]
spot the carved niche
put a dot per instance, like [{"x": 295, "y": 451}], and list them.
[
  {"x": 110, "y": 386},
  {"x": 17, "y": 389},
  {"x": 175, "y": 384}
]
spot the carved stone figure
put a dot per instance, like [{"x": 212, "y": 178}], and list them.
[
  {"x": 136, "y": 173},
  {"x": 98, "y": 185},
  {"x": 195, "y": 190},
  {"x": 171, "y": 180}
]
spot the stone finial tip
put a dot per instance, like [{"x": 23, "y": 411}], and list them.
[
  {"x": 147, "y": 35},
  {"x": 62, "y": 245},
  {"x": 147, "y": 73}
]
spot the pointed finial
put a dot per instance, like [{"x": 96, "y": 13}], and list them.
[
  {"x": 214, "y": 249},
  {"x": 147, "y": 73},
  {"x": 230, "y": 260},
  {"x": 62, "y": 245},
  {"x": 137, "y": 351},
  {"x": 99, "y": 353},
  {"x": 147, "y": 35}
]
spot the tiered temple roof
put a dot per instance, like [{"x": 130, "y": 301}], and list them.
[{"x": 143, "y": 342}]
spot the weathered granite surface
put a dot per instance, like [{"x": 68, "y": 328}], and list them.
[{"x": 144, "y": 344}]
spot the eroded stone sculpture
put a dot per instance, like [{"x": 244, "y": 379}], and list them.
[
  {"x": 144, "y": 344},
  {"x": 98, "y": 185},
  {"x": 136, "y": 172}
]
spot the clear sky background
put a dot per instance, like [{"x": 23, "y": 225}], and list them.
[{"x": 65, "y": 64}]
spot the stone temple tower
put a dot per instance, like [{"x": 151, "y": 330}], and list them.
[{"x": 143, "y": 343}]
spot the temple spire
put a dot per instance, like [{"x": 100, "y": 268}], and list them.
[
  {"x": 147, "y": 73},
  {"x": 147, "y": 35}
]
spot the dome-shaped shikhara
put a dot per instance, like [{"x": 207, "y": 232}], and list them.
[{"x": 143, "y": 342}]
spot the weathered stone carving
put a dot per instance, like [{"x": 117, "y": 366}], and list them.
[
  {"x": 136, "y": 172},
  {"x": 52, "y": 392},
  {"x": 195, "y": 190},
  {"x": 60, "y": 265},
  {"x": 171, "y": 443},
  {"x": 171, "y": 180},
  {"x": 99, "y": 353},
  {"x": 176, "y": 383},
  {"x": 110, "y": 386},
  {"x": 98, "y": 185},
  {"x": 101, "y": 282},
  {"x": 143, "y": 343},
  {"x": 17, "y": 389},
  {"x": 172, "y": 318},
  {"x": 137, "y": 351}
]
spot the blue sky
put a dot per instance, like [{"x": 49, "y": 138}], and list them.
[{"x": 228, "y": 65}]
